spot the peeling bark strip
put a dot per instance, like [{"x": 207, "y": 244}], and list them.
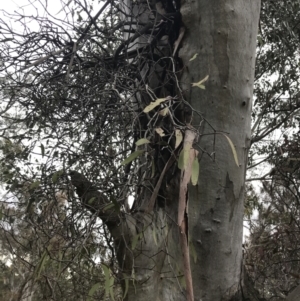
[{"x": 186, "y": 173}]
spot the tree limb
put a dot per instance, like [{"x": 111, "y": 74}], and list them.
[{"x": 94, "y": 200}]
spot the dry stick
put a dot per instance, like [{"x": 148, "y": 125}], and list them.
[
  {"x": 41, "y": 60},
  {"x": 177, "y": 42},
  {"x": 186, "y": 172},
  {"x": 44, "y": 58},
  {"x": 71, "y": 60},
  {"x": 158, "y": 184}
]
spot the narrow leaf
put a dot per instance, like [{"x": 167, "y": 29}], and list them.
[
  {"x": 183, "y": 158},
  {"x": 111, "y": 288},
  {"x": 91, "y": 201},
  {"x": 293, "y": 159},
  {"x": 132, "y": 156},
  {"x": 154, "y": 104},
  {"x": 195, "y": 172},
  {"x": 200, "y": 83},
  {"x": 109, "y": 206},
  {"x": 142, "y": 141},
  {"x": 194, "y": 56},
  {"x": 106, "y": 271},
  {"x": 93, "y": 290},
  {"x": 126, "y": 280},
  {"x": 233, "y": 150},
  {"x": 35, "y": 184},
  {"x": 41, "y": 264},
  {"x": 109, "y": 281},
  {"x": 180, "y": 160}
]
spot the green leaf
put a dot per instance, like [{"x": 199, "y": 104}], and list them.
[
  {"x": 195, "y": 172},
  {"x": 109, "y": 206},
  {"x": 35, "y": 184},
  {"x": 133, "y": 279},
  {"x": 106, "y": 271},
  {"x": 91, "y": 201},
  {"x": 154, "y": 104},
  {"x": 126, "y": 280},
  {"x": 93, "y": 290},
  {"x": 180, "y": 160},
  {"x": 132, "y": 156},
  {"x": 183, "y": 158},
  {"x": 111, "y": 288},
  {"x": 109, "y": 281},
  {"x": 260, "y": 40},
  {"x": 142, "y": 141},
  {"x": 233, "y": 150},
  {"x": 56, "y": 176},
  {"x": 41, "y": 264}
]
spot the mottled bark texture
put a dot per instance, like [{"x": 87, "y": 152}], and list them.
[{"x": 223, "y": 34}]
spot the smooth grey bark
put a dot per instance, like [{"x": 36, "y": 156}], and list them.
[
  {"x": 294, "y": 295},
  {"x": 223, "y": 34}
]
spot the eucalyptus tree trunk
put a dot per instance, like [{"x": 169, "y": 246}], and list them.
[
  {"x": 219, "y": 41},
  {"x": 223, "y": 35}
]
